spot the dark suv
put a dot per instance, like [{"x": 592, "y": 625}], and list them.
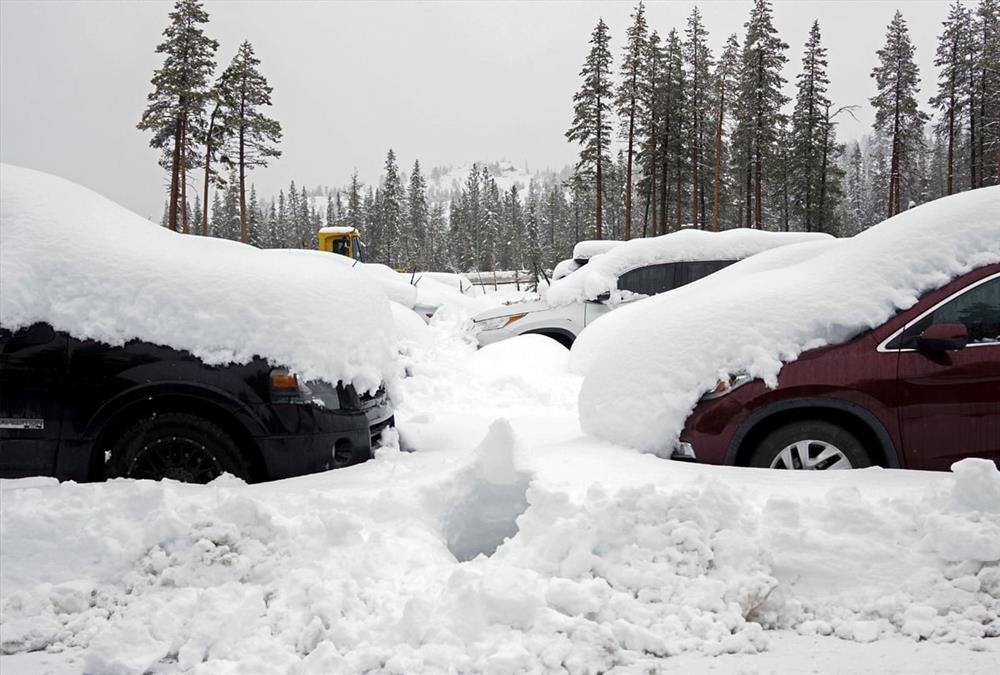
[
  {"x": 921, "y": 392},
  {"x": 82, "y": 410}
]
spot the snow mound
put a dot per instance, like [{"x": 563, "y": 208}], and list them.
[
  {"x": 584, "y": 250},
  {"x": 91, "y": 268},
  {"x": 751, "y": 317},
  {"x": 601, "y": 273}
]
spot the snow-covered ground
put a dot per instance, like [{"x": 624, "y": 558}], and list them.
[{"x": 501, "y": 539}]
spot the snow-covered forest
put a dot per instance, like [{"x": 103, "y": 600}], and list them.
[{"x": 670, "y": 136}]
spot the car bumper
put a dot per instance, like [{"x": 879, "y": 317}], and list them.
[
  {"x": 488, "y": 337},
  {"x": 320, "y": 439}
]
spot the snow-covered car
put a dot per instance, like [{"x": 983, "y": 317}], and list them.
[
  {"x": 129, "y": 350},
  {"x": 624, "y": 272},
  {"x": 878, "y": 349}
]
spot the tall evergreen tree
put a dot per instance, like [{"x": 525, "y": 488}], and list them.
[
  {"x": 698, "y": 63},
  {"x": 987, "y": 63},
  {"x": 674, "y": 139},
  {"x": 176, "y": 110},
  {"x": 391, "y": 211},
  {"x": 649, "y": 125},
  {"x": 896, "y": 111},
  {"x": 811, "y": 139},
  {"x": 952, "y": 58},
  {"x": 758, "y": 112},
  {"x": 254, "y": 135},
  {"x": 591, "y": 126},
  {"x": 628, "y": 99},
  {"x": 726, "y": 83},
  {"x": 416, "y": 255}
]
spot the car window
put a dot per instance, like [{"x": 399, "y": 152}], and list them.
[
  {"x": 978, "y": 309},
  {"x": 697, "y": 269},
  {"x": 649, "y": 280}
]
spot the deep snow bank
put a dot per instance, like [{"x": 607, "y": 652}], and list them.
[
  {"x": 96, "y": 270},
  {"x": 310, "y": 575},
  {"x": 600, "y": 274},
  {"x": 758, "y": 314}
]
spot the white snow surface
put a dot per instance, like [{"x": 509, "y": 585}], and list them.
[
  {"x": 756, "y": 315},
  {"x": 90, "y": 267},
  {"x": 506, "y": 542},
  {"x": 584, "y": 250},
  {"x": 601, "y": 273}
]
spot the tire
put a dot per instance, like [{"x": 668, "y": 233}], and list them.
[
  {"x": 810, "y": 445},
  {"x": 178, "y": 446}
]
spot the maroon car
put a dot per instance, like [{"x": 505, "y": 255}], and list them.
[{"x": 920, "y": 391}]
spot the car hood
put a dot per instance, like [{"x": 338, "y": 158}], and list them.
[{"x": 515, "y": 308}]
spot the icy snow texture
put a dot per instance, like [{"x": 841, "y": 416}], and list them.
[
  {"x": 752, "y": 317},
  {"x": 91, "y": 268},
  {"x": 601, "y": 273}
]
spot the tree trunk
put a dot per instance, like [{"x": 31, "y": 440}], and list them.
[
  {"x": 243, "y": 195},
  {"x": 174, "y": 169},
  {"x": 628, "y": 166},
  {"x": 821, "y": 212},
  {"x": 749, "y": 185},
  {"x": 758, "y": 170},
  {"x": 972, "y": 129},
  {"x": 183, "y": 176},
  {"x": 208, "y": 171},
  {"x": 717, "y": 185}
]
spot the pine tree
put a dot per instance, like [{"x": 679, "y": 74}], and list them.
[
  {"x": 987, "y": 64},
  {"x": 649, "y": 123},
  {"x": 674, "y": 139},
  {"x": 952, "y": 58},
  {"x": 591, "y": 126},
  {"x": 726, "y": 83},
  {"x": 254, "y": 135},
  {"x": 629, "y": 97},
  {"x": 810, "y": 137},
  {"x": 758, "y": 111},
  {"x": 391, "y": 211},
  {"x": 896, "y": 111},
  {"x": 417, "y": 215},
  {"x": 176, "y": 109},
  {"x": 698, "y": 65},
  {"x": 354, "y": 202}
]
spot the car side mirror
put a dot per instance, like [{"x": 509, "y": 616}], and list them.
[
  {"x": 603, "y": 297},
  {"x": 943, "y": 337}
]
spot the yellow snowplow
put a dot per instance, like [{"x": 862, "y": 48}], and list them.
[{"x": 340, "y": 239}]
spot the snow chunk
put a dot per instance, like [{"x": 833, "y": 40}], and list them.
[
  {"x": 756, "y": 315},
  {"x": 93, "y": 269},
  {"x": 601, "y": 273}
]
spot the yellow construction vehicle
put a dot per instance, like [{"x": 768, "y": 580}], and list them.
[{"x": 343, "y": 240}]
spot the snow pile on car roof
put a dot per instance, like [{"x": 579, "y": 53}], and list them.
[
  {"x": 601, "y": 273},
  {"x": 584, "y": 250},
  {"x": 90, "y": 267},
  {"x": 646, "y": 368}
]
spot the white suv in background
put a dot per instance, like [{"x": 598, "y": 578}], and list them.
[{"x": 625, "y": 272}]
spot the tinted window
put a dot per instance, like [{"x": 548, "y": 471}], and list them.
[
  {"x": 701, "y": 268},
  {"x": 978, "y": 309},
  {"x": 649, "y": 280}
]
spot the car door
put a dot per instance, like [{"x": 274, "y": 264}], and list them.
[
  {"x": 32, "y": 373},
  {"x": 949, "y": 401}
]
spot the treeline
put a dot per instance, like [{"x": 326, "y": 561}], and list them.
[
  {"x": 713, "y": 142},
  {"x": 202, "y": 123}
]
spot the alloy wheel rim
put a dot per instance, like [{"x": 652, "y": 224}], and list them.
[
  {"x": 175, "y": 458},
  {"x": 811, "y": 455}
]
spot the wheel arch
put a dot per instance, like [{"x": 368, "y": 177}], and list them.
[
  {"x": 852, "y": 417},
  {"x": 118, "y": 415},
  {"x": 560, "y": 335}
]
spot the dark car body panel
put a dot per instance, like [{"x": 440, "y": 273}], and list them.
[
  {"x": 88, "y": 392},
  {"x": 911, "y": 409}
]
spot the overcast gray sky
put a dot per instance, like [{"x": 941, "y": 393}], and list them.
[{"x": 442, "y": 82}]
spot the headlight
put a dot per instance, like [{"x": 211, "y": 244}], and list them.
[
  {"x": 725, "y": 387},
  {"x": 499, "y": 322}
]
